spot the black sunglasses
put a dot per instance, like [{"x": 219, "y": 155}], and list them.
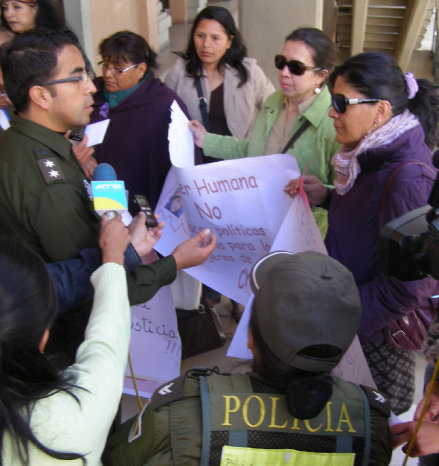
[
  {"x": 295, "y": 66},
  {"x": 339, "y": 102}
]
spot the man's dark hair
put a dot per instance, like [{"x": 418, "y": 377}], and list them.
[{"x": 31, "y": 59}]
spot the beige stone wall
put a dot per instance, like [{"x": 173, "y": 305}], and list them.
[
  {"x": 421, "y": 64},
  {"x": 264, "y": 25},
  {"x": 106, "y": 17}
]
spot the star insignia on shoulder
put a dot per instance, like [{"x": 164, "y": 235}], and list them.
[
  {"x": 49, "y": 163},
  {"x": 50, "y": 169}
]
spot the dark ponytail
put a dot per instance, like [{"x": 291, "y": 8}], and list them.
[
  {"x": 27, "y": 309},
  {"x": 377, "y": 75},
  {"x": 425, "y": 105}
]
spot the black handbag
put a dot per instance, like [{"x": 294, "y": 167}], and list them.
[{"x": 200, "y": 330}]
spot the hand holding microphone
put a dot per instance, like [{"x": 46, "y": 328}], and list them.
[
  {"x": 114, "y": 238},
  {"x": 107, "y": 197},
  {"x": 143, "y": 239}
]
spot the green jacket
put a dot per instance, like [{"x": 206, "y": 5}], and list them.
[
  {"x": 172, "y": 430},
  {"x": 317, "y": 144},
  {"x": 46, "y": 202}
]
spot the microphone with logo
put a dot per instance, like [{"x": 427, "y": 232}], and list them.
[
  {"x": 109, "y": 195},
  {"x": 108, "y": 192}
]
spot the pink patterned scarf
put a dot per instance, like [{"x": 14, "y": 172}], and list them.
[{"x": 346, "y": 163}]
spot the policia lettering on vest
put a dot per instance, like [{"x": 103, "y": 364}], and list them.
[
  {"x": 263, "y": 412},
  {"x": 289, "y": 410}
]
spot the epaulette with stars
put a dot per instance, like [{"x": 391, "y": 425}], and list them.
[{"x": 50, "y": 170}]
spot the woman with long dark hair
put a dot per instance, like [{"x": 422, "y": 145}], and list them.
[
  {"x": 385, "y": 121},
  {"x": 232, "y": 86},
  {"x": 47, "y": 416},
  {"x": 23, "y": 15}
]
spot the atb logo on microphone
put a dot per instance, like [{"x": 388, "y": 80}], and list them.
[{"x": 109, "y": 195}]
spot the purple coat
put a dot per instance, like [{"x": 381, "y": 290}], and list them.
[
  {"x": 354, "y": 227},
  {"x": 136, "y": 142}
]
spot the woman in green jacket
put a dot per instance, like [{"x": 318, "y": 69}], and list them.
[{"x": 307, "y": 59}]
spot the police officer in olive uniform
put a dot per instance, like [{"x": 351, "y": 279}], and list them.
[
  {"x": 45, "y": 197},
  {"x": 305, "y": 314}
]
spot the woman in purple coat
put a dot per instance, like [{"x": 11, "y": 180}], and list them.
[
  {"x": 138, "y": 106},
  {"x": 383, "y": 119}
]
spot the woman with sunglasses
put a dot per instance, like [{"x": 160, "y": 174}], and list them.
[
  {"x": 220, "y": 86},
  {"x": 385, "y": 121},
  {"x": 138, "y": 106},
  {"x": 307, "y": 58}
]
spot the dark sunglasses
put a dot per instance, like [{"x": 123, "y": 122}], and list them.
[
  {"x": 339, "y": 102},
  {"x": 295, "y": 66}
]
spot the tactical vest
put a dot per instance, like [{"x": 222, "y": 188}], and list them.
[{"x": 236, "y": 416}]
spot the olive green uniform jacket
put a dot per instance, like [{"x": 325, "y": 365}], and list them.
[
  {"x": 45, "y": 202},
  {"x": 316, "y": 145},
  {"x": 171, "y": 433}
]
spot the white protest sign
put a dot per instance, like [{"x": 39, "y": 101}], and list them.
[
  {"x": 155, "y": 346},
  {"x": 353, "y": 367},
  {"x": 181, "y": 141},
  {"x": 241, "y": 201},
  {"x": 299, "y": 232}
]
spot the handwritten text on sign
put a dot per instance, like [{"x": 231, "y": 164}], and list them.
[
  {"x": 241, "y": 201},
  {"x": 155, "y": 346}
]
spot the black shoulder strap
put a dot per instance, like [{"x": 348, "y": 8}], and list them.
[
  {"x": 202, "y": 102},
  {"x": 296, "y": 136}
]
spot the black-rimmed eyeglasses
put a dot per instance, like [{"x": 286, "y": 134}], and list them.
[
  {"x": 84, "y": 77},
  {"x": 340, "y": 102},
  {"x": 295, "y": 66}
]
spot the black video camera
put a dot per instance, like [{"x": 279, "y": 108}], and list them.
[{"x": 408, "y": 246}]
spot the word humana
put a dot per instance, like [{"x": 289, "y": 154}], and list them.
[{"x": 226, "y": 185}]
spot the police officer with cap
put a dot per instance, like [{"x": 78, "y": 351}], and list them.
[{"x": 289, "y": 410}]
